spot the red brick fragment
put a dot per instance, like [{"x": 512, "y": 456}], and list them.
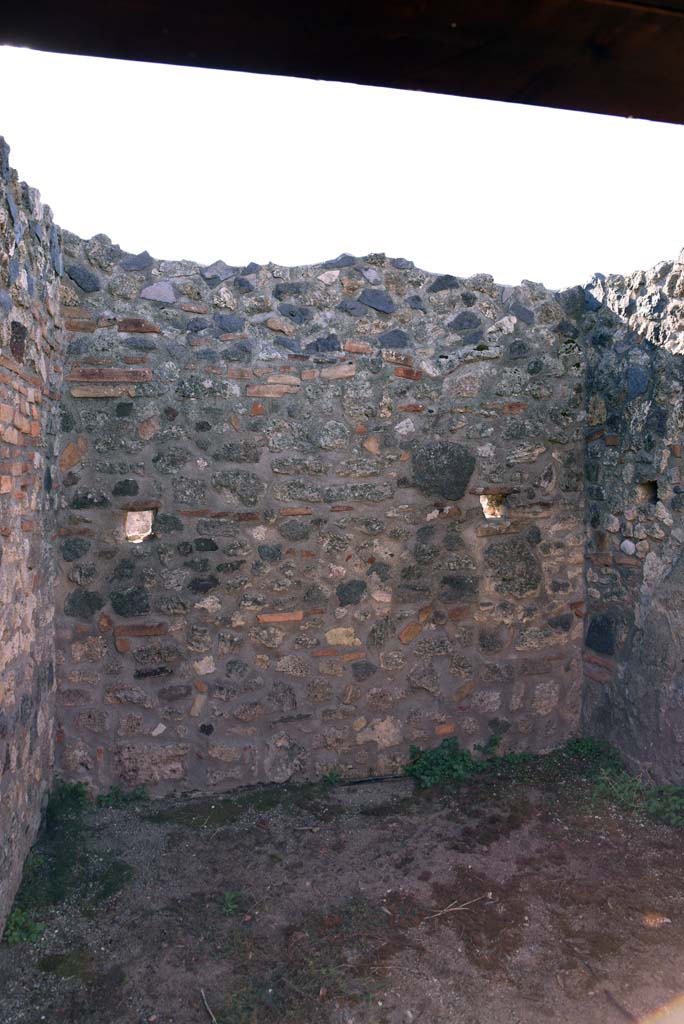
[
  {"x": 280, "y": 616},
  {"x": 137, "y": 325},
  {"x": 194, "y": 307},
  {"x": 410, "y": 632},
  {"x": 400, "y": 358},
  {"x": 82, "y": 326},
  {"x": 302, "y": 511},
  {"x": 339, "y": 372},
  {"x": 148, "y": 428},
  {"x": 141, "y": 629},
  {"x": 270, "y": 390},
  {"x": 407, "y": 373},
  {"x": 109, "y": 375}
]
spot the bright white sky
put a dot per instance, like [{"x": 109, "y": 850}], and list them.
[{"x": 202, "y": 165}]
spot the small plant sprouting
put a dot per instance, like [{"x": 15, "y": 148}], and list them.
[
  {"x": 67, "y": 802},
  {"x": 231, "y": 903},
  {"x": 448, "y": 762},
  {"x": 662, "y": 803},
  {"x": 666, "y": 804},
  {"x": 118, "y": 797},
  {"x": 596, "y": 753},
  {"x": 332, "y": 777},
  {"x": 489, "y": 749},
  {"x": 22, "y": 927},
  {"x": 620, "y": 788}
]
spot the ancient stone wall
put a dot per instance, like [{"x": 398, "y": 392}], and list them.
[
  {"x": 310, "y": 516},
  {"x": 322, "y": 586},
  {"x": 634, "y": 657},
  {"x": 30, "y": 369}
]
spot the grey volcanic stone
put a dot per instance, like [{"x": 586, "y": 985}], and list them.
[
  {"x": 165, "y": 522},
  {"x": 294, "y": 529},
  {"x": 142, "y": 261},
  {"x": 229, "y": 323},
  {"x": 446, "y": 282},
  {"x": 523, "y": 314},
  {"x": 238, "y": 451},
  {"x": 466, "y": 320},
  {"x": 458, "y": 587},
  {"x": 205, "y": 544},
  {"x": 637, "y": 381},
  {"x": 442, "y": 468},
  {"x": 87, "y": 280},
  {"x": 328, "y": 343},
  {"x": 217, "y": 272},
  {"x": 363, "y": 670},
  {"x": 244, "y": 485},
  {"x": 161, "y": 291},
  {"x": 270, "y": 552},
  {"x": 90, "y": 499},
  {"x": 203, "y": 584},
  {"x": 396, "y": 338},
  {"x": 350, "y": 592},
  {"x": 131, "y": 602},
  {"x": 345, "y": 260},
  {"x": 290, "y": 289},
  {"x": 74, "y": 548},
  {"x": 170, "y": 459},
  {"x": 125, "y": 488},
  {"x": 512, "y": 564},
  {"x": 377, "y": 299},
  {"x": 297, "y": 314},
  {"x": 82, "y": 604},
  {"x": 352, "y": 307},
  {"x": 601, "y": 634}
]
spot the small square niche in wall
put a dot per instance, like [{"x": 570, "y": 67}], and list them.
[
  {"x": 647, "y": 493},
  {"x": 138, "y": 525},
  {"x": 493, "y": 505}
]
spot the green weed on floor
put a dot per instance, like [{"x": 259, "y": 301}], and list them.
[
  {"x": 62, "y": 866},
  {"x": 594, "y": 761},
  {"x": 449, "y": 762},
  {"x": 662, "y": 803}
]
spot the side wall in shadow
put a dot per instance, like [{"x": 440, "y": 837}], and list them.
[
  {"x": 634, "y": 654},
  {"x": 30, "y": 383}
]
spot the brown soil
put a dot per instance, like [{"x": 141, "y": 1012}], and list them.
[{"x": 318, "y": 906}]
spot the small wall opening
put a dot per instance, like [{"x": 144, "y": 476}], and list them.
[
  {"x": 493, "y": 505},
  {"x": 647, "y": 492},
  {"x": 138, "y": 525}
]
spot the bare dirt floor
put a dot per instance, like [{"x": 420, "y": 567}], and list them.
[{"x": 503, "y": 900}]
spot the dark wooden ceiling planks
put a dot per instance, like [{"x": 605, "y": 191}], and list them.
[{"x": 622, "y": 57}]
